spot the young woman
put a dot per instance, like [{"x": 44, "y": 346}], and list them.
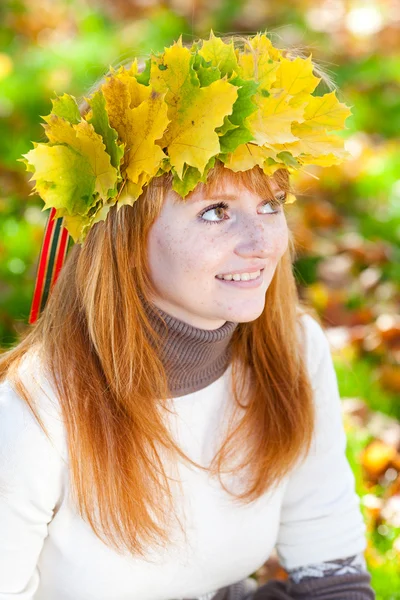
[{"x": 173, "y": 415}]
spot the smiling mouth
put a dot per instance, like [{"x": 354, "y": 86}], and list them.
[{"x": 220, "y": 277}]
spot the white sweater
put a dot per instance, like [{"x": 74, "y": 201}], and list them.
[{"x": 48, "y": 552}]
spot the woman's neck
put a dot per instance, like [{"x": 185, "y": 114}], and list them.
[{"x": 193, "y": 358}]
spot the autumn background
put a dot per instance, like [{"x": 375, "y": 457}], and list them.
[{"x": 346, "y": 219}]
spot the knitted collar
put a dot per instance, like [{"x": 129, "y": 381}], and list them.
[{"x": 193, "y": 357}]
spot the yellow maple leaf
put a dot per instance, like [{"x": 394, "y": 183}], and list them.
[
  {"x": 59, "y": 130},
  {"x": 131, "y": 191},
  {"x": 261, "y": 44},
  {"x": 259, "y": 61},
  {"x": 321, "y": 113},
  {"x": 194, "y": 112},
  {"x": 53, "y": 167},
  {"x": 77, "y": 226},
  {"x": 139, "y": 126},
  {"x": 296, "y": 78},
  {"x": 73, "y": 168},
  {"x": 327, "y": 160},
  {"x": 326, "y": 111},
  {"x": 271, "y": 123},
  {"x": 149, "y": 121},
  {"x": 128, "y": 85},
  {"x": 172, "y": 73},
  {"x": 220, "y": 54},
  {"x": 315, "y": 141},
  {"x": 247, "y": 156}
]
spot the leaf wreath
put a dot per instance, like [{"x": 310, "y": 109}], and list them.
[{"x": 187, "y": 108}]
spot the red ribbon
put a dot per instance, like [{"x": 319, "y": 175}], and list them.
[{"x": 52, "y": 257}]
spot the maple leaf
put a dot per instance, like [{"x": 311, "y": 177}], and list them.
[
  {"x": 72, "y": 168},
  {"x": 206, "y": 73},
  {"x": 132, "y": 190},
  {"x": 139, "y": 115},
  {"x": 315, "y": 141},
  {"x": 99, "y": 120},
  {"x": 270, "y": 166},
  {"x": 259, "y": 61},
  {"x": 288, "y": 159},
  {"x": 226, "y": 126},
  {"x": 326, "y": 160},
  {"x": 144, "y": 76},
  {"x": 271, "y": 124},
  {"x": 194, "y": 111},
  {"x": 320, "y": 114},
  {"x": 131, "y": 86},
  {"x": 244, "y": 105},
  {"x": 219, "y": 54},
  {"x": 59, "y": 180},
  {"x": 65, "y": 106},
  {"x": 296, "y": 79},
  {"x": 191, "y": 177},
  {"x": 234, "y": 138},
  {"x": 77, "y": 226},
  {"x": 247, "y": 156},
  {"x": 238, "y": 133},
  {"x": 326, "y": 111}
]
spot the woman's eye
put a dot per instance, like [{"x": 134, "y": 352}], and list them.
[{"x": 273, "y": 207}]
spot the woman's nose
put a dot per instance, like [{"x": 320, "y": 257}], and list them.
[{"x": 255, "y": 238}]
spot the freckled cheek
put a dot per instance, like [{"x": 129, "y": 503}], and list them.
[
  {"x": 280, "y": 242},
  {"x": 184, "y": 253},
  {"x": 197, "y": 258},
  {"x": 164, "y": 251},
  {"x": 162, "y": 248}
]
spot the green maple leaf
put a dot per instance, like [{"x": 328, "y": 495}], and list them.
[
  {"x": 144, "y": 76},
  {"x": 99, "y": 120},
  {"x": 232, "y": 139},
  {"x": 220, "y": 54},
  {"x": 66, "y": 107},
  {"x": 244, "y": 106},
  {"x": 205, "y": 71}
]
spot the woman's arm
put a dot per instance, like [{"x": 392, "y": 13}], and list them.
[
  {"x": 30, "y": 483},
  {"x": 320, "y": 516}
]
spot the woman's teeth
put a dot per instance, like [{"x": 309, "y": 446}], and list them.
[{"x": 241, "y": 277}]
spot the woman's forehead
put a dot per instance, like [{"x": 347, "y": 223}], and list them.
[{"x": 227, "y": 186}]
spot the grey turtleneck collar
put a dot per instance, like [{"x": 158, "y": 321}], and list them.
[{"x": 193, "y": 358}]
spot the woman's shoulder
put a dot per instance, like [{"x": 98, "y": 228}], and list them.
[{"x": 16, "y": 416}]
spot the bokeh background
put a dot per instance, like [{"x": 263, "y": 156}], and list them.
[{"x": 346, "y": 219}]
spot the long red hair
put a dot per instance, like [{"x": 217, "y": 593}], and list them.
[{"x": 93, "y": 338}]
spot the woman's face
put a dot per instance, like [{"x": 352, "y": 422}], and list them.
[{"x": 190, "y": 243}]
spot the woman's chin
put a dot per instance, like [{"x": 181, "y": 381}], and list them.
[{"x": 245, "y": 314}]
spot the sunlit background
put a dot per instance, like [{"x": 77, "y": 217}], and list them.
[{"x": 346, "y": 219}]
